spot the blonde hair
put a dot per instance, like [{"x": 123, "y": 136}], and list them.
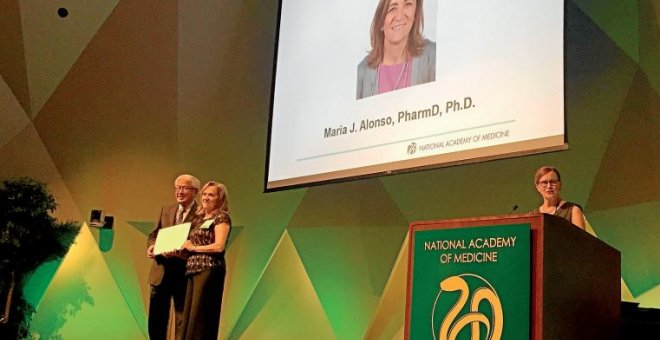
[
  {"x": 542, "y": 171},
  {"x": 222, "y": 206}
]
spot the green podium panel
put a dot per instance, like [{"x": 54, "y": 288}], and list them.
[
  {"x": 532, "y": 276},
  {"x": 470, "y": 283}
]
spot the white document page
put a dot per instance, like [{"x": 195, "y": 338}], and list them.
[{"x": 171, "y": 238}]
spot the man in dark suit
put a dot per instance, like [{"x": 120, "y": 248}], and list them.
[{"x": 168, "y": 271}]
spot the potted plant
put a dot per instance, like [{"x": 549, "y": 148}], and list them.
[{"x": 29, "y": 237}]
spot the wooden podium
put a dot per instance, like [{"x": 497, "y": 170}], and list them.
[{"x": 575, "y": 278}]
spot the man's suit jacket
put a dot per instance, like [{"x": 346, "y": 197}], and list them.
[{"x": 159, "y": 264}]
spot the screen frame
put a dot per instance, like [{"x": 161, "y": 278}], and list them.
[{"x": 411, "y": 165}]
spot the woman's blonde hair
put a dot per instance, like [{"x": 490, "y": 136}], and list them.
[
  {"x": 222, "y": 205},
  {"x": 542, "y": 171}
]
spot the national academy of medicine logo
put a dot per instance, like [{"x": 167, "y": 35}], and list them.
[
  {"x": 468, "y": 305},
  {"x": 412, "y": 148}
]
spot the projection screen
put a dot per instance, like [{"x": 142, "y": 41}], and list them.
[{"x": 484, "y": 81}]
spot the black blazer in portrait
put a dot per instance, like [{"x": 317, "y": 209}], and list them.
[{"x": 159, "y": 265}]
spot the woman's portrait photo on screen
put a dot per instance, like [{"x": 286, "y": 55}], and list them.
[{"x": 400, "y": 55}]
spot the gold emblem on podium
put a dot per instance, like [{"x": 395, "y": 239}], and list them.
[{"x": 456, "y": 318}]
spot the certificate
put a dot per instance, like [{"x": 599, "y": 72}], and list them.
[{"x": 171, "y": 238}]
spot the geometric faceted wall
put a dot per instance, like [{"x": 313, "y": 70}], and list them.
[{"x": 110, "y": 101}]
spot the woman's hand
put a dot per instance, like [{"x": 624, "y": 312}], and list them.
[
  {"x": 170, "y": 254},
  {"x": 188, "y": 245},
  {"x": 180, "y": 253}
]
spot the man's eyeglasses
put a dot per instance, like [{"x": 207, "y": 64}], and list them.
[
  {"x": 183, "y": 188},
  {"x": 548, "y": 183}
]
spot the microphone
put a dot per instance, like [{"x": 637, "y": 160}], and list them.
[{"x": 515, "y": 207}]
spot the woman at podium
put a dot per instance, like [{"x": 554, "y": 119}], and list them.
[{"x": 548, "y": 184}]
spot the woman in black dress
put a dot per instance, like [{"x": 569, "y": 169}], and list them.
[{"x": 205, "y": 267}]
